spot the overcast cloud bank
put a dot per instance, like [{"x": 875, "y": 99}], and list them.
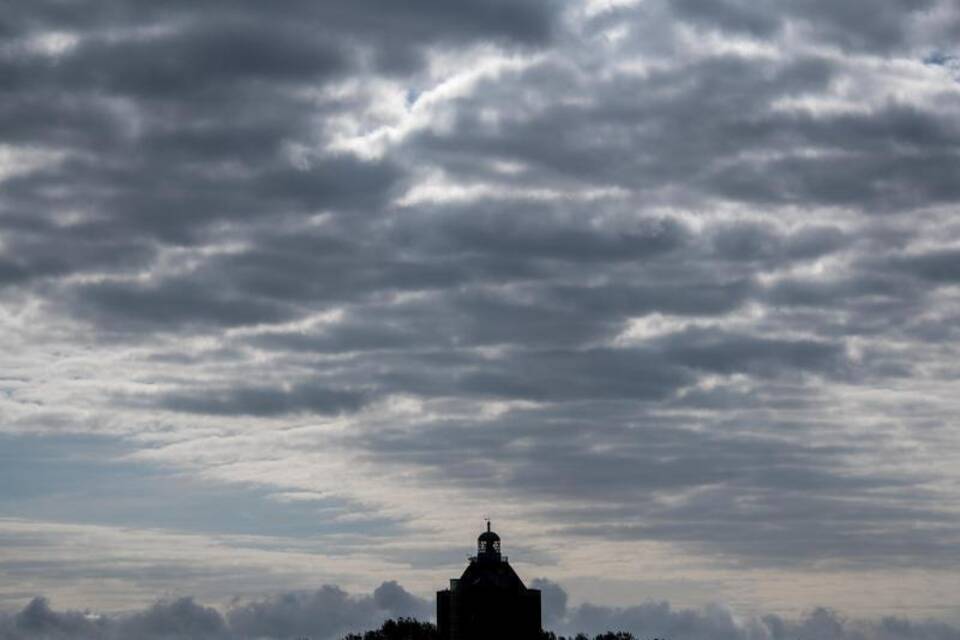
[
  {"x": 668, "y": 287},
  {"x": 329, "y": 613}
]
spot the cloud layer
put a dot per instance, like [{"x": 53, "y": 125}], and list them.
[
  {"x": 329, "y": 613},
  {"x": 675, "y": 280}
]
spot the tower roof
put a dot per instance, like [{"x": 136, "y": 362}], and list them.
[
  {"x": 492, "y": 575},
  {"x": 488, "y": 535}
]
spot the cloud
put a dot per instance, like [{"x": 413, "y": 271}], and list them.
[
  {"x": 38, "y": 620},
  {"x": 754, "y": 500},
  {"x": 662, "y": 620},
  {"x": 330, "y": 613},
  {"x": 936, "y": 266},
  {"x": 673, "y": 274},
  {"x": 326, "y": 613},
  {"x": 890, "y": 27},
  {"x": 553, "y": 602},
  {"x": 181, "y": 618},
  {"x": 263, "y": 401}
]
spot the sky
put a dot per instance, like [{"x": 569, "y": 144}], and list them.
[{"x": 293, "y": 296}]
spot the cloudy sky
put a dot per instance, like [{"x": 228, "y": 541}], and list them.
[{"x": 294, "y": 296}]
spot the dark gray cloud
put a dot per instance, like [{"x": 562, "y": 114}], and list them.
[
  {"x": 204, "y": 58},
  {"x": 325, "y": 614},
  {"x": 173, "y": 118},
  {"x": 181, "y": 618},
  {"x": 661, "y": 620},
  {"x": 191, "y": 44},
  {"x": 761, "y": 242},
  {"x": 939, "y": 266},
  {"x": 523, "y": 21},
  {"x": 710, "y": 130},
  {"x": 170, "y": 305},
  {"x": 553, "y": 602},
  {"x": 37, "y": 619},
  {"x": 751, "y": 498},
  {"x": 264, "y": 401},
  {"x": 329, "y": 613},
  {"x": 726, "y": 352}
]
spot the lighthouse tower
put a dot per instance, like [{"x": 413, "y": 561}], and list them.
[{"x": 489, "y": 601}]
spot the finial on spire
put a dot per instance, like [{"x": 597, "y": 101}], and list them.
[{"x": 488, "y": 524}]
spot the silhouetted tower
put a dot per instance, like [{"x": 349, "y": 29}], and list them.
[{"x": 489, "y": 601}]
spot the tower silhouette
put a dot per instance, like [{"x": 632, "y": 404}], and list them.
[{"x": 489, "y": 601}]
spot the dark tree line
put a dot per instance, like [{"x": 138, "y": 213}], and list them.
[
  {"x": 400, "y": 629},
  {"x": 410, "y": 629}
]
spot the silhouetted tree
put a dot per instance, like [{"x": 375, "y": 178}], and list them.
[
  {"x": 411, "y": 629},
  {"x": 400, "y": 629}
]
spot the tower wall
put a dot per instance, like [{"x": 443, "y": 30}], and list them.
[
  {"x": 444, "y": 611},
  {"x": 487, "y": 613},
  {"x": 489, "y": 601}
]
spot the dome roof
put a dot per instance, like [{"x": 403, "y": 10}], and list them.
[
  {"x": 488, "y": 536},
  {"x": 488, "y": 545},
  {"x": 487, "y": 539}
]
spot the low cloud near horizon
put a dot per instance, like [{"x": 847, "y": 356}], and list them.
[{"x": 330, "y": 613}]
